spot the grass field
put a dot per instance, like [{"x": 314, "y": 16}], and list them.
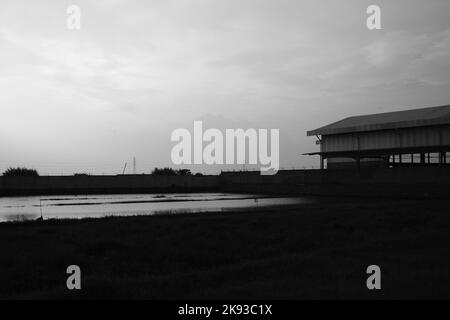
[{"x": 316, "y": 250}]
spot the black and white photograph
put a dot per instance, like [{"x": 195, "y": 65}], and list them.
[{"x": 222, "y": 157}]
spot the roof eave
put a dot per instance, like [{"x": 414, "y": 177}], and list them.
[{"x": 379, "y": 127}]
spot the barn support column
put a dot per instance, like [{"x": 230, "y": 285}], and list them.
[
  {"x": 322, "y": 162},
  {"x": 442, "y": 158},
  {"x": 422, "y": 158}
]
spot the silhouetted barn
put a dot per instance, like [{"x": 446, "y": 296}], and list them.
[{"x": 405, "y": 138}]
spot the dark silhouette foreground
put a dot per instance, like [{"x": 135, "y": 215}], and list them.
[{"x": 317, "y": 250}]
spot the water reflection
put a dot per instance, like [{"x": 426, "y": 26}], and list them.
[{"x": 61, "y": 207}]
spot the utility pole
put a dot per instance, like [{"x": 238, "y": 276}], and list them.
[{"x": 134, "y": 165}]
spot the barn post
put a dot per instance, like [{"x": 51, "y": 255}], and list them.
[
  {"x": 442, "y": 158},
  {"x": 422, "y": 158}
]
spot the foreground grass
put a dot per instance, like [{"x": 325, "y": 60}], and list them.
[{"x": 313, "y": 251}]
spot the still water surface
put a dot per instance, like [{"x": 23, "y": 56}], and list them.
[{"x": 96, "y": 206}]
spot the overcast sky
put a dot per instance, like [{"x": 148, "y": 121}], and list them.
[{"x": 89, "y": 100}]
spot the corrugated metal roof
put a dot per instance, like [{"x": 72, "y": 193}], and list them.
[{"x": 384, "y": 121}]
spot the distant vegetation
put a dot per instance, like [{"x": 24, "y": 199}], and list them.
[
  {"x": 20, "y": 172},
  {"x": 81, "y": 174},
  {"x": 171, "y": 172}
]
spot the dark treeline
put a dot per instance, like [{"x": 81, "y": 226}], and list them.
[
  {"x": 20, "y": 172},
  {"x": 26, "y": 172},
  {"x": 171, "y": 172}
]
